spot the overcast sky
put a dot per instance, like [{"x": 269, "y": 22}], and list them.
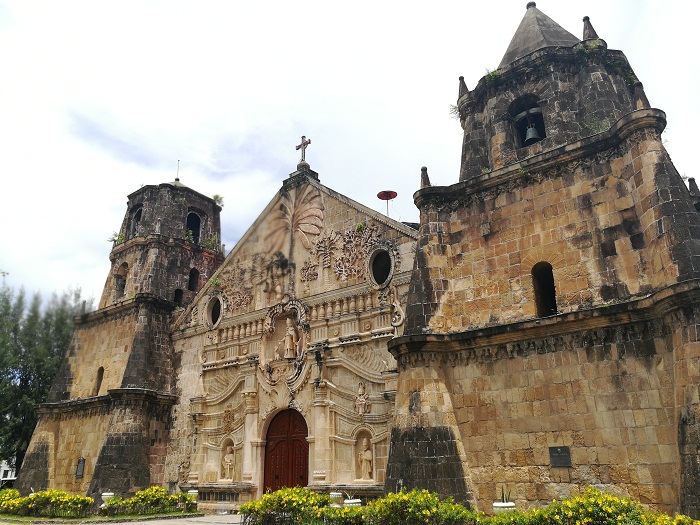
[{"x": 98, "y": 98}]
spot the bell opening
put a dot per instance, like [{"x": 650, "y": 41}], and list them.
[{"x": 528, "y": 121}]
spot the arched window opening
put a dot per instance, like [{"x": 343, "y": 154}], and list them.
[
  {"x": 545, "y": 294},
  {"x": 135, "y": 222},
  {"x": 528, "y": 121},
  {"x": 120, "y": 280},
  {"x": 193, "y": 282},
  {"x": 193, "y": 225},
  {"x": 98, "y": 381},
  {"x": 179, "y": 294}
]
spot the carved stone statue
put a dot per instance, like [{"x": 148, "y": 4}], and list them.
[
  {"x": 362, "y": 402},
  {"x": 365, "y": 460},
  {"x": 290, "y": 340},
  {"x": 228, "y": 463}
]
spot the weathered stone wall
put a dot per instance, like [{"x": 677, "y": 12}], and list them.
[
  {"x": 150, "y": 362},
  {"x": 61, "y": 438},
  {"x": 426, "y": 449},
  {"x": 623, "y": 395},
  {"x": 600, "y": 221},
  {"x": 686, "y": 341},
  {"x": 132, "y": 452},
  {"x": 100, "y": 340}
]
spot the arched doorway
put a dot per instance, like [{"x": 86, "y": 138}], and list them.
[{"x": 286, "y": 452}]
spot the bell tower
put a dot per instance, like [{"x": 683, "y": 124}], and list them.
[
  {"x": 109, "y": 410},
  {"x": 169, "y": 243},
  {"x": 552, "y": 290}
]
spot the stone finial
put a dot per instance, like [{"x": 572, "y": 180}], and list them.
[
  {"x": 693, "y": 187},
  {"x": 588, "y": 31},
  {"x": 463, "y": 90},
  {"x": 640, "y": 97},
  {"x": 424, "y": 179},
  {"x": 530, "y": 4}
]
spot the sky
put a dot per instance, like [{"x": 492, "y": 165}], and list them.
[{"x": 98, "y": 98}]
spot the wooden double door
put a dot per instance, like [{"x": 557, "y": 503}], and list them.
[{"x": 286, "y": 452}]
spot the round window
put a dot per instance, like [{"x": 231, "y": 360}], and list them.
[
  {"x": 380, "y": 266},
  {"x": 214, "y": 310}
]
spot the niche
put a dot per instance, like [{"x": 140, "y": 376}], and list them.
[
  {"x": 545, "y": 294},
  {"x": 193, "y": 225},
  {"x": 528, "y": 121},
  {"x": 98, "y": 381},
  {"x": 120, "y": 281}
]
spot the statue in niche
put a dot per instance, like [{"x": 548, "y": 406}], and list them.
[
  {"x": 290, "y": 341},
  {"x": 365, "y": 459},
  {"x": 362, "y": 402},
  {"x": 227, "y": 463}
]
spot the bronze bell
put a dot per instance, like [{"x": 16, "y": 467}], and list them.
[{"x": 531, "y": 135}]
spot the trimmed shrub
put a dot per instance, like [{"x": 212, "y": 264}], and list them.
[
  {"x": 153, "y": 500},
  {"x": 48, "y": 503},
  {"x": 418, "y": 507},
  {"x": 287, "y": 505}
]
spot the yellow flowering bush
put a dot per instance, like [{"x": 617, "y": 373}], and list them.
[
  {"x": 51, "y": 503},
  {"x": 418, "y": 507},
  {"x": 153, "y": 500},
  {"x": 593, "y": 507},
  {"x": 342, "y": 515},
  {"x": 7, "y": 495},
  {"x": 287, "y": 504}
]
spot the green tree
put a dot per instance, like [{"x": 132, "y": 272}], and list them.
[{"x": 33, "y": 340}]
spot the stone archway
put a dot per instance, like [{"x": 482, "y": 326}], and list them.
[{"x": 286, "y": 452}]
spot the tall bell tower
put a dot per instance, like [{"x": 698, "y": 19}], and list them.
[
  {"x": 552, "y": 291},
  {"x": 108, "y": 413}
]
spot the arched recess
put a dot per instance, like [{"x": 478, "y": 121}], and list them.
[
  {"x": 545, "y": 292},
  {"x": 286, "y": 452},
  {"x": 528, "y": 120},
  {"x": 193, "y": 280},
  {"x": 364, "y": 456},
  {"x": 193, "y": 225},
  {"x": 178, "y": 296},
  {"x": 120, "y": 281},
  {"x": 98, "y": 381},
  {"x": 135, "y": 221}
]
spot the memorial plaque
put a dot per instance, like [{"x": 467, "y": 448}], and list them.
[
  {"x": 80, "y": 468},
  {"x": 560, "y": 456}
]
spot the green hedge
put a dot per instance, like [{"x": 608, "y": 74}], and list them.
[{"x": 420, "y": 507}]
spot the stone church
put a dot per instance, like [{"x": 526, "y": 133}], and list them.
[{"x": 538, "y": 330}]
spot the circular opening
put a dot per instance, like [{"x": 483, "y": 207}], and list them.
[
  {"x": 214, "y": 310},
  {"x": 381, "y": 267}
]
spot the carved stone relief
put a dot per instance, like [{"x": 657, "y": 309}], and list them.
[
  {"x": 299, "y": 213},
  {"x": 362, "y": 402},
  {"x": 346, "y": 253}
]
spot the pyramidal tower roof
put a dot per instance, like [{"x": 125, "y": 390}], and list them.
[{"x": 536, "y": 31}]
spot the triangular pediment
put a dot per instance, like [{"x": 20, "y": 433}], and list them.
[{"x": 308, "y": 240}]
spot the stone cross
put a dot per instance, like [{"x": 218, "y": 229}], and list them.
[{"x": 304, "y": 144}]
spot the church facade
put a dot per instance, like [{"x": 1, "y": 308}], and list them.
[{"x": 537, "y": 331}]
